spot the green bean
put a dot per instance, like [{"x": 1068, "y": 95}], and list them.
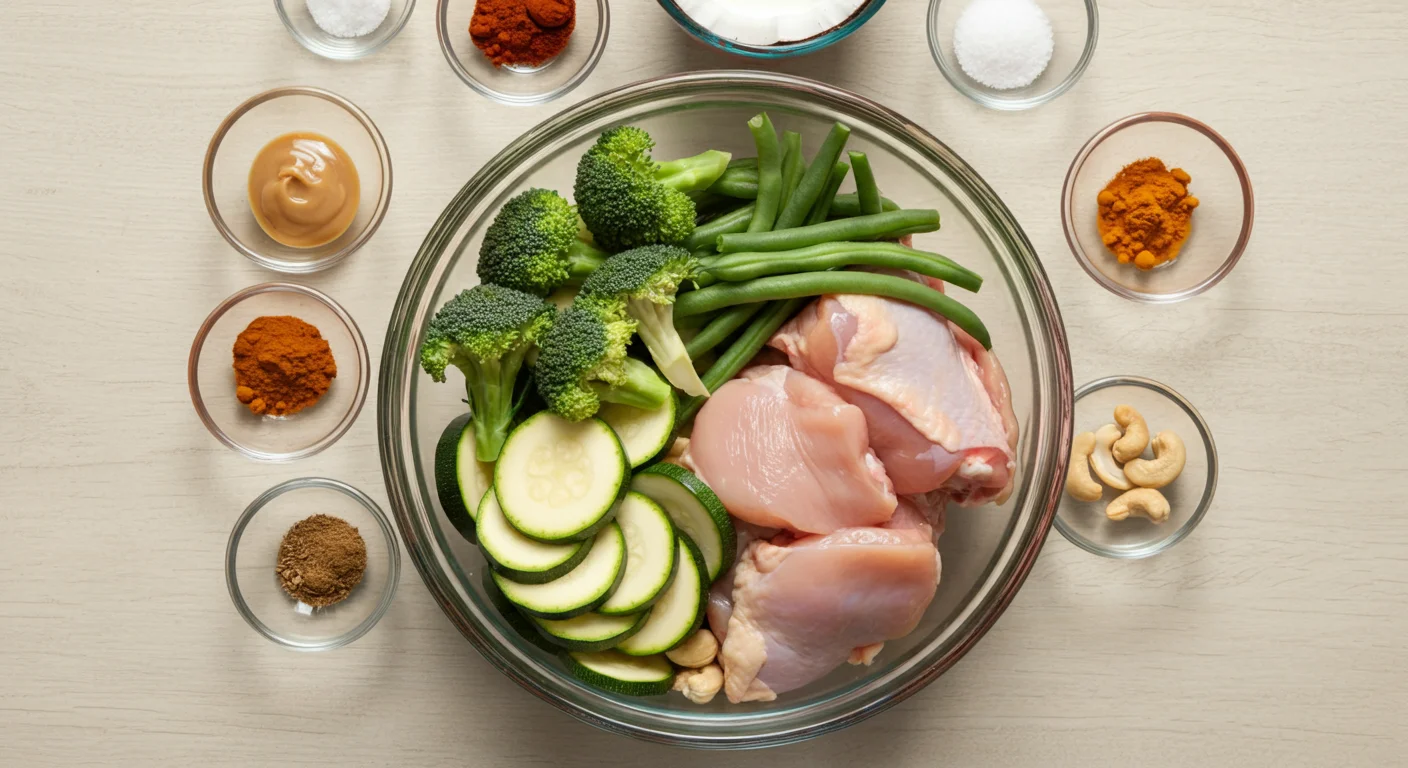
[
  {"x": 742, "y": 163},
  {"x": 810, "y": 187},
  {"x": 792, "y": 164},
  {"x": 745, "y": 185},
  {"x": 706, "y": 234},
  {"x": 742, "y": 350},
  {"x": 738, "y": 267},
  {"x": 847, "y": 205},
  {"x": 821, "y": 283},
  {"x": 769, "y": 173},
  {"x": 719, "y": 328},
  {"x": 740, "y": 185},
  {"x": 822, "y": 207},
  {"x": 873, "y": 227},
  {"x": 866, "y": 191}
]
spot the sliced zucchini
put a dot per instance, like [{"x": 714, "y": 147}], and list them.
[
  {"x": 625, "y": 675},
  {"x": 644, "y": 432},
  {"x": 679, "y": 611},
  {"x": 525, "y": 560},
  {"x": 694, "y": 509},
  {"x": 590, "y": 631},
  {"x": 559, "y": 480},
  {"x": 522, "y": 625},
  {"x": 650, "y": 556},
  {"x": 579, "y": 591},
  {"x": 460, "y": 478}
]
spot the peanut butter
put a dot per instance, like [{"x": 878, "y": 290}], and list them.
[{"x": 303, "y": 189}]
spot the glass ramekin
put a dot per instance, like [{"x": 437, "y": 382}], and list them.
[
  {"x": 300, "y": 24},
  {"x": 522, "y": 86},
  {"x": 780, "y": 50}
]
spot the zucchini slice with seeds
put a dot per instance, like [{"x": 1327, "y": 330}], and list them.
[
  {"x": 559, "y": 480},
  {"x": 525, "y": 560},
  {"x": 679, "y": 611},
  {"x": 644, "y": 433},
  {"x": 694, "y": 509},
  {"x": 581, "y": 589},
  {"x": 590, "y": 631},
  {"x": 651, "y": 556}
]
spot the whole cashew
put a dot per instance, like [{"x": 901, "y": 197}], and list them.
[
  {"x": 1167, "y": 464},
  {"x": 1136, "y": 434},
  {"x": 1079, "y": 484},
  {"x": 1140, "y": 502},
  {"x": 697, "y": 651},
  {"x": 1103, "y": 461},
  {"x": 700, "y": 685}
]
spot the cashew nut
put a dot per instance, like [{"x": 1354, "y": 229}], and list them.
[
  {"x": 1079, "y": 484},
  {"x": 1103, "y": 462},
  {"x": 697, "y": 651},
  {"x": 1167, "y": 464},
  {"x": 1136, "y": 434},
  {"x": 1140, "y": 502},
  {"x": 701, "y": 685}
]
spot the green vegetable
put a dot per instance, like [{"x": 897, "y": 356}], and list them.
[
  {"x": 847, "y": 205},
  {"x": 743, "y": 349},
  {"x": 694, "y": 508},
  {"x": 459, "y": 478},
  {"x": 628, "y": 199},
  {"x": 792, "y": 166},
  {"x": 737, "y": 267},
  {"x": 486, "y": 332},
  {"x": 641, "y": 283},
  {"x": 874, "y": 227},
  {"x": 768, "y": 174},
  {"x": 624, "y": 675},
  {"x": 719, "y": 328},
  {"x": 736, "y": 183},
  {"x": 582, "y": 361},
  {"x": 706, "y": 234},
  {"x": 866, "y": 191},
  {"x": 821, "y": 283},
  {"x": 532, "y": 245},
  {"x": 813, "y": 182},
  {"x": 822, "y": 207}
]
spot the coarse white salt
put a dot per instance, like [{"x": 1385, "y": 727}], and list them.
[
  {"x": 1003, "y": 44},
  {"x": 349, "y": 18}
]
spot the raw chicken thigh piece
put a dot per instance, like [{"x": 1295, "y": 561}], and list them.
[
  {"x": 939, "y": 416},
  {"x": 781, "y": 450},
  {"x": 802, "y": 609}
]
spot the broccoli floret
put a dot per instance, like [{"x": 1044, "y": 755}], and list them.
[
  {"x": 486, "y": 332},
  {"x": 641, "y": 284},
  {"x": 627, "y": 199},
  {"x": 582, "y": 361},
  {"x": 533, "y": 245}
]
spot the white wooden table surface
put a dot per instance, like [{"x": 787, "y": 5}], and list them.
[{"x": 1275, "y": 635}]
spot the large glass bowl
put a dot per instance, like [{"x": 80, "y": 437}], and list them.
[{"x": 987, "y": 552}]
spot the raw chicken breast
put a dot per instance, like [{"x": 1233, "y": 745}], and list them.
[
  {"x": 939, "y": 414},
  {"x": 803, "y": 608},
  {"x": 781, "y": 450}
]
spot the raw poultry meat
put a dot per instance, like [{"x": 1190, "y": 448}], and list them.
[
  {"x": 802, "y": 607},
  {"x": 936, "y": 403},
  {"x": 781, "y": 450}
]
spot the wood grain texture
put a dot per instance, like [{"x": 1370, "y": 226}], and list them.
[{"x": 1273, "y": 636}]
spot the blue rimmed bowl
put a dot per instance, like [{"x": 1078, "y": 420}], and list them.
[{"x": 778, "y": 50}]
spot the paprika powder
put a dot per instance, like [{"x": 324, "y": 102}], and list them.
[
  {"x": 522, "y": 32},
  {"x": 282, "y": 365},
  {"x": 1146, "y": 213}
]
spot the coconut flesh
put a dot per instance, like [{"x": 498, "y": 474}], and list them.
[{"x": 769, "y": 22}]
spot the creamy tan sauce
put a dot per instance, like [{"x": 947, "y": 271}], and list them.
[{"x": 303, "y": 189}]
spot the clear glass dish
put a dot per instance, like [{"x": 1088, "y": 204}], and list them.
[
  {"x": 986, "y": 552},
  {"x": 300, "y": 24},
  {"x": 523, "y": 86},
  {"x": 210, "y": 375},
  {"x": 253, "y": 551},
  {"x": 780, "y": 50},
  {"x": 1084, "y": 523},
  {"x": 1222, "y": 222},
  {"x": 1075, "y": 27}
]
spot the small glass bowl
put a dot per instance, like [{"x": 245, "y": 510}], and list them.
[
  {"x": 1075, "y": 26},
  {"x": 1084, "y": 522},
  {"x": 253, "y": 552},
  {"x": 265, "y": 117},
  {"x": 1222, "y": 222},
  {"x": 210, "y": 375},
  {"x": 776, "y": 51},
  {"x": 299, "y": 22},
  {"x": 523, "y": 86}
]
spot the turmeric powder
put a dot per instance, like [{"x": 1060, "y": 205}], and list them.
[{"x": 1146, "y": 213}]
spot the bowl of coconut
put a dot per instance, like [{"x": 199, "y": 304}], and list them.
[{"x": 770, "y": 29}]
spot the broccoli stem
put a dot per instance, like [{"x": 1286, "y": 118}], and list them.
[
  {"x": 490, "y": 386},
  {"x": 738, "y": 267},
  {"x": 582, "y": 259},
  {"x": 866, "y": 192},
  {"x": 656, "y": 327},
  {"x": 891, "y": 224},
  {"x": 642, "y": 388},
  {"x": 813, "y": 181},
  {"x": 692, "y": 174},
  {"x": 822, "y": 208},
  {"x": 742, "y": 351}
]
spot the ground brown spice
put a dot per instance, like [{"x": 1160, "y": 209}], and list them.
[{"x": 321, "y": 560}]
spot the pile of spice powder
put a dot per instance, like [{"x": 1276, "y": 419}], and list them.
[
  {"x": 321, "y": 560},
  {"x": 282, "y": 365},
  {"x": 1003, "y": 44},
  {"x": 1146, "y": 213},
  {"x": 522, "y": 32}
]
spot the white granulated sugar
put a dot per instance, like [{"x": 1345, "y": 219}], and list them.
[
  {"x": 1003, "y": 44},
  {"x": 349, "y": 18}
]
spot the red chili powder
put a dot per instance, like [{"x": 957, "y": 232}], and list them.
[{"x": 522, "y": 32}]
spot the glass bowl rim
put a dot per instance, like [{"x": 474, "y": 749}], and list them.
[
  {"x": 786, "y": 50},
  {"x": 393, "y": 562},
  {"x": 354, "y": 54},
  {"x": 278, "y": 265},
  {"x": 442, "y": 32},
  {"x": 359, "y": 398},
  {"x": 1243, "y": 179},
  {"x": 1044, "y": 486},
  {"x": 1092, "y": 38},
  {"x": 1209, "y": 487}
]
